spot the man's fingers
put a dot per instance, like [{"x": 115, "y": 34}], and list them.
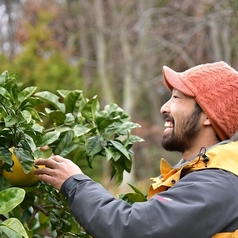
[
  {"x": 47, "y": 162},
  {"x": 45, "y": 170},
  {"x": 46, "y": 147},
  {"x": 56, "y": 170},
  {"x": 57, "y": 158},
  {"x": 50, "y": 162},
  {"x": 41, "y": 161},
  {"x": 49, "y": 179}
]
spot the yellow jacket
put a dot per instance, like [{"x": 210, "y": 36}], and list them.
[{"x": 224, "y": 156}]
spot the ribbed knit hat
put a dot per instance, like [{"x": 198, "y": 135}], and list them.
[{"x": 215, "y": 88}]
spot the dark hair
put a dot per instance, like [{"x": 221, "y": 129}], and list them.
[{"x": 198, "y": 110}]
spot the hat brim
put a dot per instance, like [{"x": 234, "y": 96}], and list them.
[{"x": 174, "y": 80}]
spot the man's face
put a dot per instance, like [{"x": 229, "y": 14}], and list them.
[{"x": 182, "y": 122}]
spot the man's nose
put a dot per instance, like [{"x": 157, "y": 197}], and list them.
[{"x": 165, "y": 109}]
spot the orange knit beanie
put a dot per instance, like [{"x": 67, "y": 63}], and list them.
[{"x": 215, "y": 88}]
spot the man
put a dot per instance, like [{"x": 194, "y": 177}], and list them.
[{"x": 197, "y": 198}]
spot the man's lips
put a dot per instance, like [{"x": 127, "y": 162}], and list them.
[{"x": 169, "y": 123}]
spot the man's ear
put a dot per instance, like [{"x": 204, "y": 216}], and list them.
[{"x": 206, "y": 121}]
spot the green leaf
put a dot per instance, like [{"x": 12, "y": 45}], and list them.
[
  {"x": 134, "y": 139},
  {"x": 26, "y": 115},
  {"x": 136, "y": 190},
  {"x": 57, "y": 116},
  {"x": 103, "y": 124},
  {"x": 3, "y": 77},
  {"x": 130, "y": 140},
  {"x": 49, "y": 138},
  {"x": 90, "y": 108},
  {"x": 63, "y": 129},
  {"x": 33, "y": 112},
  {"x": 26, "y": 93},
  {"x": 112, "y": 153},
  {"x": 5, "y": 93},
  {"x": 13, "y": 77},
  {"x": 81, "y": 130},
  {"x": 113, "y": 129},
  {"x": 112, "y": 107},
  {"x": 11, "y": 120},
  {"x": 127, "y": 127},
  {"x": 70, "y": 119},
  {"x": 108, "y": 153},
  {"x": 5, "y": 155},
  {"x": 93, "y": 145},
  {"x": 119, "y": 146},
  {"x": 65, "y": 146},
  {"x": 3, "y": 184},
  {"x": 25, "y": 159},
  {"x": 63, "y": 93},
  {"x": 13, "y": 228},
  {"x": 125, "y": 163},
  {"x": 10, "y": 198},
  {"x": 74, "y": 101},
  {"x": 3, "y": 111},
  {"x": 52, "y": 99},
  {"x": 30, "y": 142},
  {"x": 133, "y": 197},
  {"x": 38, "y": 128},
  {"x": 30, "y": 102},
  {"x": 118, "y": 171},
  {"x": 65, "y": 151}
]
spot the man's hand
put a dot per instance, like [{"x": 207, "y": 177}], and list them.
[{"x": 57, "y": 169}]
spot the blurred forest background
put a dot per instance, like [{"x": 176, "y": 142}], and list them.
[{"x": 116, "y": 49}]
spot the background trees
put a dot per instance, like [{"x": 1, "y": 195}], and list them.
[{"x": 116, "y": 49}]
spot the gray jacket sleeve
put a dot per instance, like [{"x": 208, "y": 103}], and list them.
[{"x": 199, "y": 205}]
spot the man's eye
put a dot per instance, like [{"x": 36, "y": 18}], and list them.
[{"x": 174, "y": 96}]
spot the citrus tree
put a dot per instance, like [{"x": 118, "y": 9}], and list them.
[{"x": 36, "y": 124}]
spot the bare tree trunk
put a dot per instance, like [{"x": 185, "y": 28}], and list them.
[
  {"x": 10, "y": 7},
  {"x": 128, "y": 97},
  {"x": 217, "y": 55},
  {"x": 107, "y": 91},
  {"x": 133, "y": 74},
  {"x": 225, "y": 38},
  {"x": 84, "y": 47}
]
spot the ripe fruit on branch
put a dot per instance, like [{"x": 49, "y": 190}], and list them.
[{"x": 17, "y": 177}]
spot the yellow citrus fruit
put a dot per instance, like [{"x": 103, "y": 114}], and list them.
[{"x": 18, "y": 177}]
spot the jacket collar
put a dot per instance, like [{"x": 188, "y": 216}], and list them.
[{"x": 220, "y": 156}]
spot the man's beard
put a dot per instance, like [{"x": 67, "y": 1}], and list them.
[{"x": 188, "y": 130}]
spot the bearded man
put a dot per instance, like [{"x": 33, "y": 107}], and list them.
[{"x": 197, "y": 198}]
